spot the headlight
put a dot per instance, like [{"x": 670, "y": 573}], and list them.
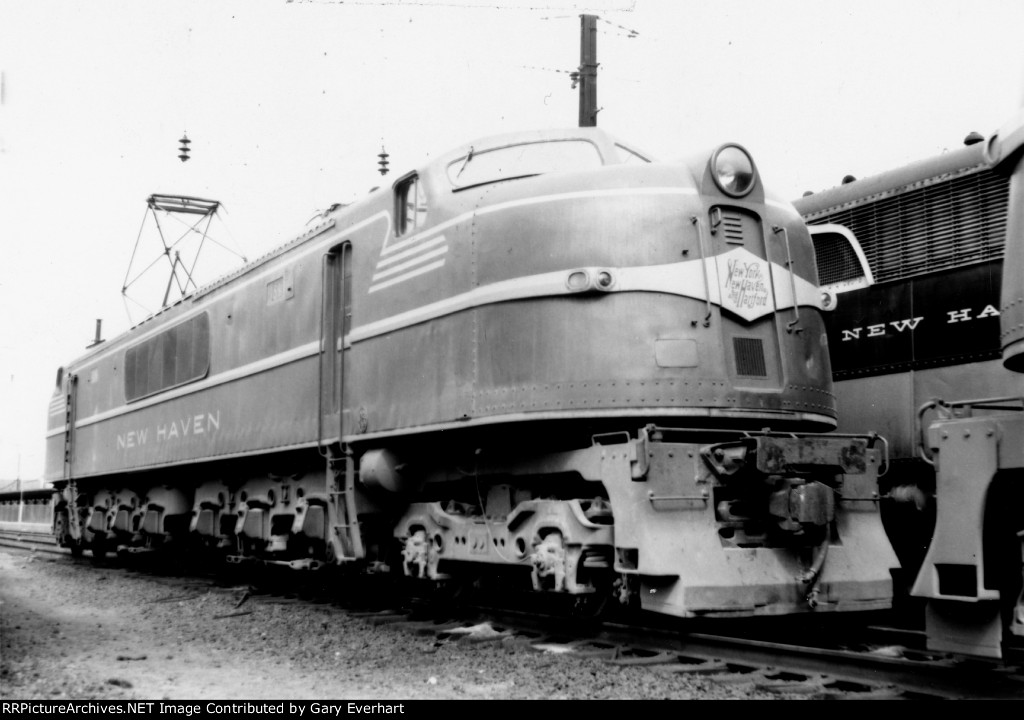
[{"x": 733, "y": 170}]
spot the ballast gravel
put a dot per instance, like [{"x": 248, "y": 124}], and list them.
[{"x": 77, "y": 630}]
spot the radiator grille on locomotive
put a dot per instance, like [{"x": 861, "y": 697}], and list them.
[
  {"x": 942, "y": 225},
  {"x": 749, "y": 357}
]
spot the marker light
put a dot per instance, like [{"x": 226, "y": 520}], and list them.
[
  {"x": 733, "y": 170},
  {"x": 578, "y": 280}
]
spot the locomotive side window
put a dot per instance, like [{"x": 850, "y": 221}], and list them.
[
  {"x": 523, "y": 160},
  {"x": 842, "y": 266},
  {"x": 411, "y": 212},
  {"x": 174, "y": 357}
]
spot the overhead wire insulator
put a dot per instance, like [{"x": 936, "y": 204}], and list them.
[
  {"x": 383, "y": 162},
  {"x": 184, "y": 156}
]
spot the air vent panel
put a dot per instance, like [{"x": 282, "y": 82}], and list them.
[{"x": 749, "y": 354}]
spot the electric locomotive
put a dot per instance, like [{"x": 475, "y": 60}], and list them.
[{"x": 540, "y": 358}]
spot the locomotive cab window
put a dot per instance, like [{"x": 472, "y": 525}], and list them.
[
  {"x": 523, "y": 160},
  {"x": 174, "y": 357},
  {"x": 411, "y": 205}
]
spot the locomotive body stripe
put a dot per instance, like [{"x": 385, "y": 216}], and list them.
[
  {"x": 409, "y": 263},
  {"x": 406, "y": 276},
  {"x": 410, "y": 252},
  {"x": 682, "y": 278},
  {"x": 419, "y": 253},
  {"x": 253, "y": 368}
]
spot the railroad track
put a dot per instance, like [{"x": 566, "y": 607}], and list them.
[
  {"x": 831, "y": 669},
  {"x": 873, "y": 668}
]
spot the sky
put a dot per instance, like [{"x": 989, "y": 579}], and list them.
[{"x": 288, "y": 102}]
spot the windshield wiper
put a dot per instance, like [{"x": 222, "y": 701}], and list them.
[{"x": 465, "y": 162}]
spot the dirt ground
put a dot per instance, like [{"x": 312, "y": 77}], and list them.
[{"x": 77, "y": 631}]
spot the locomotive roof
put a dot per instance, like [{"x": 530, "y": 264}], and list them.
[{"x": 921, "y": 173}]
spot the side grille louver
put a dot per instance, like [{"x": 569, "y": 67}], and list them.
[
  {"x": 749, "y": 357},
  {"x": 732, "y": 226},
  {"x": 945, "y": 224}
]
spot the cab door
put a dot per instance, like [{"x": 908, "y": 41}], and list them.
[{"x": 336, "y": 315}]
